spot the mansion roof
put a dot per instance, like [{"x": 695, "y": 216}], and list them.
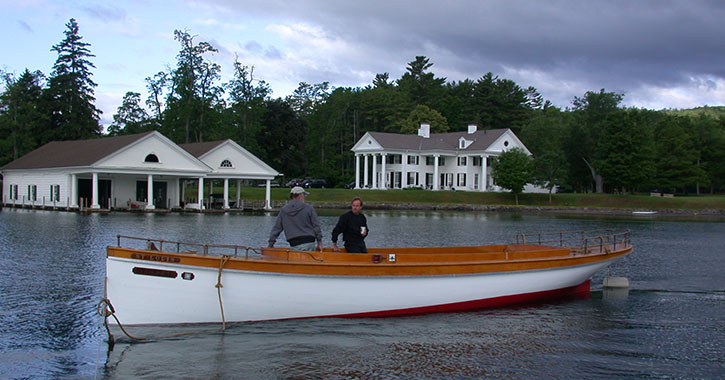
[{"x": 481, "y": 140}]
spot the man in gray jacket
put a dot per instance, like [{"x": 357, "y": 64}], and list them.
[{"x": 299, "y": 222}]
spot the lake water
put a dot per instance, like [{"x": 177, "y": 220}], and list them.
[{"x": 669, "y": 324}]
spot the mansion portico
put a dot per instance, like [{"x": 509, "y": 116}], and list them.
[{"x": 438, "y": 161}]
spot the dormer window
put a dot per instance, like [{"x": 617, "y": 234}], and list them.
[
  {"x": 463, "y": 143},
  {"x": 151, "y": 158},
  {"x": 226, "y": 164}
]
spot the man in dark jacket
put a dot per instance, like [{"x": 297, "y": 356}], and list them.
[
  {"x": 299, "y": 222},
  {"x": 354, "y": 229}
]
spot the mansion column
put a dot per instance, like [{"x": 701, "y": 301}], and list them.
[
  {"x": 150, "y": 192},
  {"x": 404, "y": 174},
  {"x": 435, "y": 172},
  {"x": 484, "y": 172},
  {"x": 383, "y": 174},
  {"x": 357, "y": 171},
  {"x": 94, "y": 192},
  {"x": 375, "y": 171}
]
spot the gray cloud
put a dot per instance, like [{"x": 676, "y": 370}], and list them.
[{"x": 618, "y": 45}]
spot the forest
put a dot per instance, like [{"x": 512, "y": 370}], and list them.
[{"x": 594, "y": 145}]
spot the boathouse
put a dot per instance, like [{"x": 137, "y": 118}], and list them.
[{"x": 144, "y": 171}]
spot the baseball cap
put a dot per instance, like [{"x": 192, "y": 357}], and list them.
[{"x": 298, "y": 190}]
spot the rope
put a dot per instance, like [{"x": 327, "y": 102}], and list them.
[
  {"x": 109, "y": 311},
  {"x": 219, "y": 287}
]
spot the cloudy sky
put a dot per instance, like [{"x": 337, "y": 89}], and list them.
[{"x": 660, "y": 54}]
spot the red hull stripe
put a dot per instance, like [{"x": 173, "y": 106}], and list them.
[{"x": 582, "y": 289}]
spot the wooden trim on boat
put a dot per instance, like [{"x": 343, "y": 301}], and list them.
[{"x": 510, "y": 258}]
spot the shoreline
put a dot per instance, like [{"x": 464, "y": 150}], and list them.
[{"x": 704, "y": 213}]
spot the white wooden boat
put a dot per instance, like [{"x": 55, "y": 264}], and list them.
[{"x": 163, "y": 282}]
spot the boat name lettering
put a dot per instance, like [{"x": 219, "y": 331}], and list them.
[{"x": 165, "y": 259}]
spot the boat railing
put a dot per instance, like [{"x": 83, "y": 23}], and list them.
[
  {"x": 580, "y": 242},
  {"x": 186, "y": 247}
]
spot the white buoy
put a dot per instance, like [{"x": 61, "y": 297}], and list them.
[{"x": 616, "y": 282}]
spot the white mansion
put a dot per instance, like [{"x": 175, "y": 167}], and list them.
[
  {"x": 436, "y": 161},
  {"x": 121, "y": 172}
]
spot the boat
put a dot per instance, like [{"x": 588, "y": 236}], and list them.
[{"x": 153, "y": 281}]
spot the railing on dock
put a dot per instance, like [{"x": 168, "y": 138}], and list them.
[
  {"x": 172, "y": 246},
  {"x": 581, "y": 242}
]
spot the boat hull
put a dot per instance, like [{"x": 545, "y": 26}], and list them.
[{"x": 249, "y": 295}]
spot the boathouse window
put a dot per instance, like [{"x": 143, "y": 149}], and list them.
[
  {"x": 14, "y": 192},
  {"x": 151, "y": 158},
  {"x": 55, "y": 193},
  {"x": 226, "y": 164},
  {"x": 32, "y": 192}
]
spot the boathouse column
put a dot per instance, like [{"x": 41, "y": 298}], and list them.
[
  {"x": 73, "y": 191},
  {"x": 484, "y": 172},
  {"x": 200, "y": 193},
  {"x": 435, "y": 171},
  {"x": 268, "y": 195},
  {"x": 239, "y": 193},
  {"x": 94, "y": 192},
  {"x": 365, "y": 173},
  {"x": 357, "y": 171},
  {"x": 226, "y": 193},
  {"x": 383, "y": 174},
  {"x": 375, "y": 171},
  {"x": 150, "y": 192}
]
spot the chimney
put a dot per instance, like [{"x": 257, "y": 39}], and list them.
[
  {"x": 424, "y": 130},
  {"x": 472, "y": 128}
]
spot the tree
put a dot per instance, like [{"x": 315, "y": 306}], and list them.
[
  {"x": 512, "y": 170},
  {"x": 593, "y": 113},
  {"x": 70, "y": 93},
  {"x": 544, "y": 137},
  {"x": 423, "y": 114},
  {"x": 676, "y": 158},
  {"x": 421, "y": 87},
  {"x": 20, "y": 114},
  {"x": 155, "y": 85},
  {"x": 283, "y": 138},
  {"x": 193, "y": 89},
  {"x": 130, "y": 117},
  {"x": 246, "y": 105},
  {"x": 307, "y": 97}
]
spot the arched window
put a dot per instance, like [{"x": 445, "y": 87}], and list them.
[
  {"x": 226, "y": 164},
  {"x": 151, "y": 158}
]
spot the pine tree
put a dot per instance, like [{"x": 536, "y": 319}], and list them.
[{"x": 70, "y": 96}]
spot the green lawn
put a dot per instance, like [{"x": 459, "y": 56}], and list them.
[{"x": 498, "y": 199}]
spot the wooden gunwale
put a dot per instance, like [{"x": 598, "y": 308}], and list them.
[{"x": 276, "y": 264}]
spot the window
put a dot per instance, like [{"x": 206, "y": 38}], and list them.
[
  {"x": 14, "y": 192},
  {"x": 55, "y": 193},
  {"x": 412, "y": 160},
  {"x": 441, "y": 161},
  {"x": 396, "y": 179},
  {"x": 475, "y": 181},
  {"x": 151, "y": 158},
  {"x": 226, "y": 164},
  {"x": 32, "y": 192},
  {"x": 462, "y": 161},
  {"x": 412, "y": 178},
  {"x": 476, "y": 161},
  {"x": 462, "y": 179},
  {"x": 429, "y": 160},
  {"x": 395, "y": 158}
]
